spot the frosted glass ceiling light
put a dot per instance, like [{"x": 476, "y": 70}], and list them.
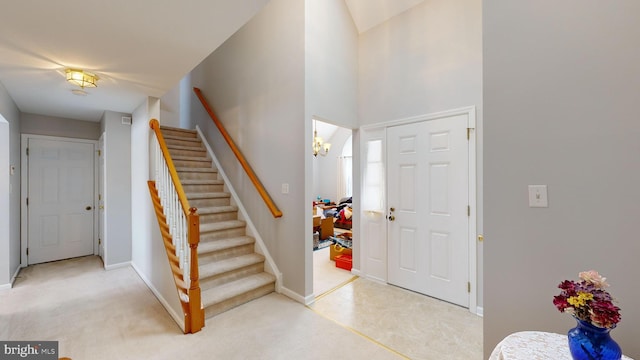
[{"x": 82, "y": 78}]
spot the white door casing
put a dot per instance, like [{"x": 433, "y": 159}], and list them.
[
  {"x": 60, "y": 192},
  {"x": 373, "y": 224},
  {"x": 102, "y": 171}
]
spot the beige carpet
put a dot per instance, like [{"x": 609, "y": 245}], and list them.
[{"x": 97, "y": 314}]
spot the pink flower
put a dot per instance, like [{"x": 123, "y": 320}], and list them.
[{"x": 594, "y": 278}]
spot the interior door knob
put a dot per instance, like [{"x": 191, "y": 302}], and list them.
[
  {"x": 88, "y": 208},
  {"x": 391, "y": 218}
]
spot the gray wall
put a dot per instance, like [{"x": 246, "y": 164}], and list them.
[
  {"x": 561, "y": 83},
  {"x": 9, "y": 200},
  {"x": 425, "y": 60},
  {"x": 255, "y": 84},
  {"x": 117, "y": 187},
  {"x": 55, "y": 126}
]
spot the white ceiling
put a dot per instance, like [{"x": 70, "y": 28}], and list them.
[{"x": 138, "y": 48}]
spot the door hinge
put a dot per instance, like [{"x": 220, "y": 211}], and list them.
[
  {"x": 99, "y": 241},
  {"x": 27, "y": 151},
  {"x": 469, "y": 287},
  {"x": 27, "y": 201},
  {"x": 99, "y": 152},
  {"x": 27, "y": 251},
  {"x": 468, "y": 133},
  {"x": 468, "y": 210},
  {"x": 99, "y": 196}
]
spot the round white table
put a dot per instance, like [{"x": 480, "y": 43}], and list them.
[{"x": 534, "y": 345}]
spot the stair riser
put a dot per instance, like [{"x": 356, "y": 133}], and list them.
[
  {"x": 192, "y": 163},
  {"x": 194, "y": 175},
  {"x": 185, "y": 142},
  {"x": 209, "y": 282},
  {"x": 225, "y": 254},
  {"x": 222, "y": 234},
  {"x": 203, "y": 188},
  {"x": 185, "y": 134},
  {"x": 209, "y": 218},
  {"x": 184, "y": 152},
  {"x": 238, "y": 300},
  {"x": 209, "y": 202}
]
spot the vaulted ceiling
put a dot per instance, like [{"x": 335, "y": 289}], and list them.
[{"x": 137, "y": 48}]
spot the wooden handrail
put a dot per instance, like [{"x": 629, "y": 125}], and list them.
[
  {"x": 245, "y": 165},
  {"x": 182, "y": 197}
]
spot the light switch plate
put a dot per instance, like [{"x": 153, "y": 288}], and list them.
[
  {"x": 538, "y": 196},
  {"x": 285, "y": 188}
]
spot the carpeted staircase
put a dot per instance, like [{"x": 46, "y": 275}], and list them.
[{"x": 231, "y": 272}]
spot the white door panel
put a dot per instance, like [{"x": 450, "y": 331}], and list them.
[
  {"x": 428, "y": 199},
  {"x": 60, "y": 193}
]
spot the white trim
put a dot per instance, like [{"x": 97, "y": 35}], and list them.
[
  {"x": 261, "y": 248},
  {"x": 480, "y": 311},
  {"x": 12, "y": 281},
  {"x": 470, "y": 111},
  {"x": 15, "y": 275},
  {"x": 24, "y": 187},
  {"x": 425, "y": 117},
  {"x": 118, "y": 266},
  {"x": 306, "y": 300},
  {"x": 179, "y": 320}
]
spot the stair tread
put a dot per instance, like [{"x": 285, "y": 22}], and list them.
[
  {"x": 181, "y": 138},
  {"x": 207, "y": 195},
  {"x": 226, "y": 265},
  {"x": 202, "y": 182},
  {"x": 221, "y": 225},
  {"x": 184, "y": 147},
  {"x": 190, "y": 131},
  {"x": 223, "y": 244},
  {"x": 230, "y": 290},
  {"x": 216, "y": 209},
  {"x": 194, "y": 158},
  {"x": 196, "y": 169}
]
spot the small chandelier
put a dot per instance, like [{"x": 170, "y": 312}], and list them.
[
  {"x": 319, "y": 146},
  {"x": 82, "y": 78}
]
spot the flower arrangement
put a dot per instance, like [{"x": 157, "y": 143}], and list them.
[{"x": 587, "y": 300}]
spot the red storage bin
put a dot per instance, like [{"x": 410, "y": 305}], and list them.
[{"x": 344, "y": 262}]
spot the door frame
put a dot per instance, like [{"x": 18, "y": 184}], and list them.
[
  {"x": 24, "y": 186},
  {"x": 470, "y": 112}
]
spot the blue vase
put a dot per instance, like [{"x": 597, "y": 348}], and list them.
[{"x": 588, "y": 342}]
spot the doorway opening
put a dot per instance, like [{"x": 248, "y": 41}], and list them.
[{"x": 332, "y": 207}]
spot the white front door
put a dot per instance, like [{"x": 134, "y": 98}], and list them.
[
  {"x": 428, "y": 199},
  {"x": 60, "y": 199}
]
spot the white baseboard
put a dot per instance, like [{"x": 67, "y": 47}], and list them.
[
  {"x": 480, "y": 311},
  {"x": 178, "y": 319},
  {"x": 297, "y": 297},
  {"x": 118, "y": 265},
  {"x": 356, "y": 272},
  {"x": 12, "y": 281},
  {"x": 15, "y": 275}
]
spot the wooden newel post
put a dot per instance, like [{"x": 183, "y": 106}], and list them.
[{"x": 195, "y": 300}]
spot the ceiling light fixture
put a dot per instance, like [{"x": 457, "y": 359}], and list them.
[
  {"x": 82, "y": 78},
  {"x": 319, "y": 146}
]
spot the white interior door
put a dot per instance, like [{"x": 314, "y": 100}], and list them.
[
  {"x": 60, "y": 199},
  {"x": 428, "y": 203}
]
